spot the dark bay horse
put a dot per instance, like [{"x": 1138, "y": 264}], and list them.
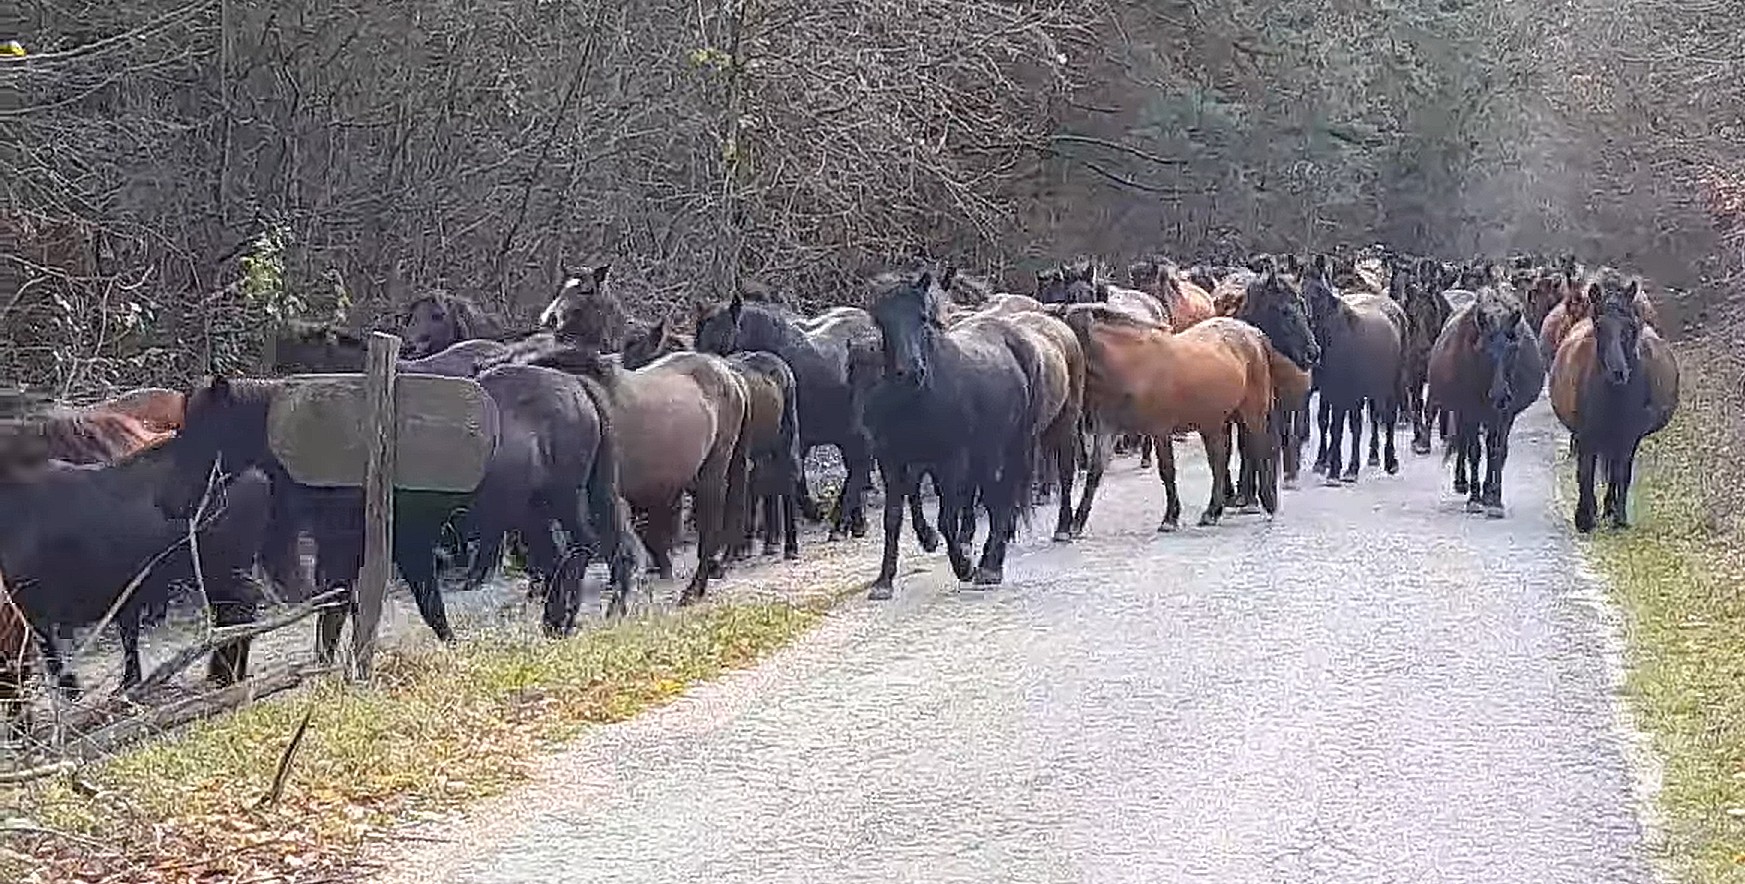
[
  {"x": 818, "y": 355},
  {"x": 1485, "y": 370},
  {"x": 556, "y": 463},
  {"x": 1614, "y": 383},
  {"x": 1143, "y": 378},
  {"x": 587, "y": 312},
  {"x": 1273, "y": 304},
  {"x": 1362, "y": 339},
  {"x": 439, "y": 320},
  {"x": 960, "y": 403},
  {"x": 1418, "y": 293}
]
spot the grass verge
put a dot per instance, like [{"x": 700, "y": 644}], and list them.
[
  {"x": 1676, "y": 576},
  {"x": 438, "y": 728}
]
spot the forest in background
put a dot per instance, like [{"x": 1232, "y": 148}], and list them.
[{"x": 176, "y": 176}]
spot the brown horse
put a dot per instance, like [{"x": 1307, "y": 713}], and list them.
[
  {"x": 1228, "y": 295},
  {"x": 160, "y": 410},
  {"x": 1614, "y": 383},
  {"x": 74, "y": 436},
  {"x": 680, "y": 423},
  {"x": 1184, "y": 302},
  {"x": 1060, "y": 393},
  {"x": 1083, "y": 287},
  {"x": 587, "y": 312},
  {"x": 772, "y": 437},
  {"x": 1576, "y": 304},
  {"x": 1418, "y": 292},
  {"x": 1143, "y": 378}
]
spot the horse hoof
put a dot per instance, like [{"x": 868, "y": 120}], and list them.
[
  {"x": 857, "y": 531},
  {"x": 833, "y": 536},
  {"x": 1473, "y": 506},
  {"x": 880, "y": 591},
  {"x": 1494, "y": 511},
  {"x": 1350, "y": 477},
  {"x": 1331, "y": 481},
  {"x": 1062, "y": 536},
  {"x": 1460, "y": 486},
  {"x": 987, "y": 577},
  {"x": 930, "y": 542},
  {"x": 1167, "y": 526},
  {"x": 1208, "y": 521},
  {"x": 1420, "y": 447},
  {"x": 1289, "y": 483},
  {"x": 665, "y": 572},
  {"x": 1375, "y": 460},
  {"x": 1584, "y": 521},
  {"x": 1619, "y": 523},
  {"x": 717, "y": 570},
  {"x": 688, "y": 598}
]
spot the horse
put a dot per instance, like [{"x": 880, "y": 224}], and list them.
[
  {"x": 1614, "y": 383},
  {"x": 1274, "y": 305},
  {"x": 1082, "y": 287},
  {"x": 74, "y": 436},
  {"x": 1144, "y": 378},
  {"x": 159, "y": 409},
  {"x": 1426, "y": 310},
  {"x": 681, "y": 422},
  {"x": 78, "y": 541},
  {"x": 556, "y": 462},
  {"x": 818, "y": 356},
  {"x": 1183, "y": 302},
  {"x": 1578, "y": 297},
  {"x": 1227, "y": 295},
  {"x": 1362, "y": 339},
  {"x": 226, "y": 425},
  {"x": 462, "y": 359},
  {"x": 438, "y": 320},
  {"x": 772, "y": 432},
  {"x": 960, "y": 403},
  {"x": 1485, "y": 369},
  {"x": 586, "y": 312},
  {"x": 1060, "y": 391}
]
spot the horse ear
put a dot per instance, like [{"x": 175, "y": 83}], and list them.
[
  {"x": 925, "y": 283},
  {"x": 1633, "y": 289},
  {"x": 218, "y": 388},
  {"x": 737, "y": 306}
]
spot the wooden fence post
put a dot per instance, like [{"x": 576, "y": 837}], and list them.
[{"x": 372, "y": 585}]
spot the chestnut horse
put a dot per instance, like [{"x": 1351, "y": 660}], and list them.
[
  {"x": 1184, "y": 302},
  {"x": 1143, "y": 378},
  {"x": 1576, "y": 304},
  {"x": 1613, "y": 384},
  {"x": 160, "y": 410}
]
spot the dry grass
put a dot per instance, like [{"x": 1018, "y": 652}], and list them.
[
  {"x": 1676, "y": 577},
  {"x": 439, "y": 727}
]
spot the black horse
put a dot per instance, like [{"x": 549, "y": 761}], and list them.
[
  {"x": 226, "y": 423},
  {"x": 1485, "y": 369},
  {"x": 961, "y": 404},
  {"x": 819, "y": 359},
  {"x": 439, "y": 320},
  {"x": 1362, "y": 341},
  {"x": 1275, "y": 306},
  {"x": 74, "y": 538}
]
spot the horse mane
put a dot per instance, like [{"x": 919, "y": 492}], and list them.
[
  {"x": 577, "y": 359},
  {"x": 1112, "y": 316}
]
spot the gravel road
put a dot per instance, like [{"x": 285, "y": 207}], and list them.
[{"x": 1374, "y": 686}]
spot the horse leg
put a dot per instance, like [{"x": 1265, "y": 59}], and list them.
[
  {"x": 414, "y": 550},
  {"x": 1390, "y": 457},
  {"x": 1289, "y": 426},
  {"x": 924, "y": 532},
  {"x": 229, "y": 663},
  {"x": 971, "y": 496},
  {"x": 55, "y": 666},
  {"x": 1146, "y": 445},
  {"x": 1172, "y": 502},
  {"x": 1472, "y": 442},
  {"x": 660, "y": 525},
  {"x": 127, "y": 624},
  {"x": 1002, "y": 498},
  {"x": 1420, "y": 419},
  {"x": 1094, "y": 467},
  {"x": 1244, "y": 495},
  {"x": 1354, "y": 418},
  {"x": 855, "y": 487},
  {"x": 1460, "y": 484},
  {"x": 790, "y": 529},
  {"x": 1375, "y": 428},
  {"x": 898, "y": 485},
  {"x": 1327, "y": 428},
  {"x": 1217, "y": 444},
  {"x": 1333, "y": 441},
  {"x": 771, "y": 505},
  {"x": 1497, "y": 455},
  {"x": 1586, "y": 459},
  {"x": 1065, "y": 466},
  {"x": 1260, "y": 443},
  {"x": 1623, "y": 467}
]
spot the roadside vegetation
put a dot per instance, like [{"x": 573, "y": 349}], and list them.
[
  {"x": 1676, "y": 576},
  {"x": 439, "y": 727}
]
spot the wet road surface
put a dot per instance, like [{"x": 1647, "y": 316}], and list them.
[{"x": 1374, "y": 686}]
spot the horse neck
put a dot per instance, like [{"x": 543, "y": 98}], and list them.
[{"x": 769, "y": 330}]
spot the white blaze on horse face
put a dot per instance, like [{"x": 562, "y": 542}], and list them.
[{"x": 553, "y": 313}]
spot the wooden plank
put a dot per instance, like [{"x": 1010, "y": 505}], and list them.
[
  {"x": 372, "y": 584},
  {"x": 447, "y": 431}
]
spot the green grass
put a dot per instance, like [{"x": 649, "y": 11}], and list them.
[
  {"x": 1675, "y": 575},
  {"x": 438, "y": 728}
]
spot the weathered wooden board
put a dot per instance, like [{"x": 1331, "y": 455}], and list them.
[{"x": 447, "y": 428}]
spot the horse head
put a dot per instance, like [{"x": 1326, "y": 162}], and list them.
[
  {"x": 224, "y": 426},
  {"x": 438, "y": 320},
  {"x": 907, "y": 315},
  {"x": 1498, "y": 320},
  {"x": 652, "y": 343},
  {"x": 585, "y": 311},
  {"x": 1273, "y": 305},
  {"x": 1617, "y": 328},
  {"x": 1051, "y": 285},
  {"x": 718, "y": 326}
]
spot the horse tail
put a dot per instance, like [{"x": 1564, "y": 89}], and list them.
[
  {"x": 1025, "y": 466},
  {"x": 604, "y": 507},
  {"x": 790, "y": 427}
]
